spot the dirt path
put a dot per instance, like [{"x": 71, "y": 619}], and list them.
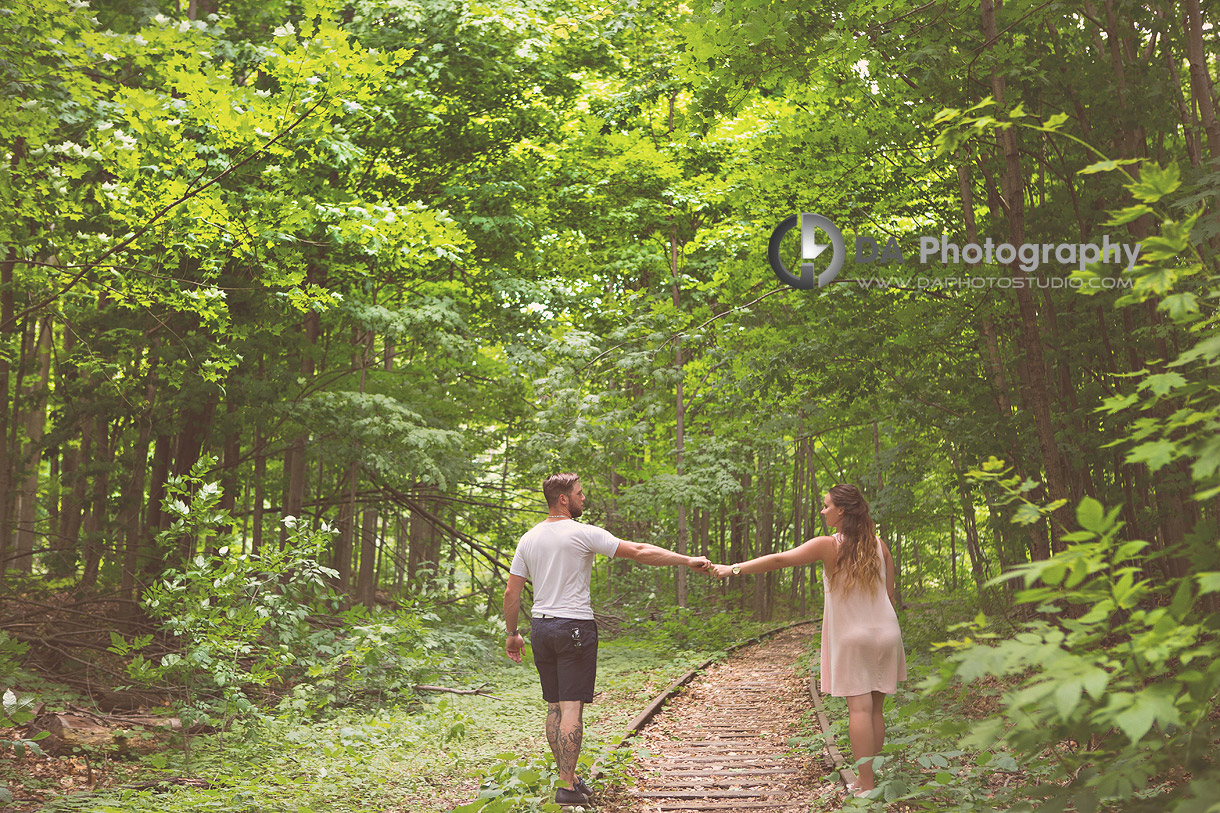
[{"x": 722, "y": 744}]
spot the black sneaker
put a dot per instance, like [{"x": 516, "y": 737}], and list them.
[
  {"x": 580, "y": 786},
  {"x": 568, "y": 796}
]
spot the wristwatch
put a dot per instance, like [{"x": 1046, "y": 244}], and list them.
[
  {"x": 736, "y": 570},
  {"x": 511, "y": 633}
]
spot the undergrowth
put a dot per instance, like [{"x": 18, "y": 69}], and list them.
[{"x": 922, "y": 766}]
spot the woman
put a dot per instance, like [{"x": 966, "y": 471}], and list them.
[{"x": 862, "y": 655}]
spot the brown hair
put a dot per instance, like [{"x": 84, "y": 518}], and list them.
[
  {"x": 859, "y": 562},
  {"x": 558, "y": 484}
]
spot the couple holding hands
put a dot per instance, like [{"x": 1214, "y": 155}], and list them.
[{"x": 862, "y": 658}]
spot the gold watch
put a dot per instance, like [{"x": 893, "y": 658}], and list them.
[{"x": 736, "y": 570}]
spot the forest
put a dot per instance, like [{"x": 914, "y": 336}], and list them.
[{"x": 300, "y": 301}]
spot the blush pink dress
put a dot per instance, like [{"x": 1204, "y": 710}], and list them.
[{"x": 861, "y": 643}]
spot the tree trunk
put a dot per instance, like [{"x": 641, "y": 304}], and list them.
[
  {"x": 1012, "y": 188},
  {"x": 1200, "y": 75},
  {"x": 679, "y": 416},
  {"x": 345, "y": 541},
  {"x": 739, "y": 535},
  {"x": 133, "y": 495},
  {"x": 953, "y": 548},
  {"x": 425, "y": 538},
  {"x": 196, "y": 425},
  {"x": 7, "y": 451},
  {"x": 229, "y": 480},
  {"x": 366, "y": 585},
  {"x": 35, "y": 424},
  {"x": 969, "y": 526},
  {"x": 94, "y": 527},
  {"x": 260, "y": 492},
  {"x": 764, "y": 583},
  {"x": 295, "y": 462},
  {"x": 156, "y": 519}
]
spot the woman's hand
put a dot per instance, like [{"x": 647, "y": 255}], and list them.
[{"x": 720, "y": 571}]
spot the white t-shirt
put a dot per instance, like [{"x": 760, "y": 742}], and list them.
[{"x": 558, "y": 558}]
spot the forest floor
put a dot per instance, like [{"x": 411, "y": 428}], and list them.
[
  {"x": 396, "y": 759},
  {"x": 433, "y": 756}
]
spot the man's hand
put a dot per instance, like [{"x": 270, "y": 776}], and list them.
[
  {"x": 700, "y": 563},
  {"x": 513, "y": 647},
  {"x": 720, "y": 571}
]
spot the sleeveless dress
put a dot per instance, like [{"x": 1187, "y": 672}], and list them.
[{"x": 861, "y": 643}]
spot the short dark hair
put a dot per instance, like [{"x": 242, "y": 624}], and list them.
[{"x": 558, "y": 484}]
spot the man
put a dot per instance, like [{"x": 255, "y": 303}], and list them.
[{"x": 557, "y": 556}]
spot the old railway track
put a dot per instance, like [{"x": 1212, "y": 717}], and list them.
[{"x": 718, "y": 738}]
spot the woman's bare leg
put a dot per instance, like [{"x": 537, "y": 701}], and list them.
[
  {"x": 878, "y": 722},
  {"x": 861, "y": 730}
]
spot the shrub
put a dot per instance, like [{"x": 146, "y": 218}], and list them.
[{"x": 1117, "y": 678}]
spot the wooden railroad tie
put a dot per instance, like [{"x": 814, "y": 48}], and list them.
[{"x": 726, "y": 749}]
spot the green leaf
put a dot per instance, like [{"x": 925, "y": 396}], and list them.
[
  {"x": 1209, "y": 582},
  {"x": 1155, "y": 182},
  {"x": 1179, "y": 306},
  {"x": 1147, "y": 707},
  {"x": 1157, "y": 454},
  {"x": 1095, "y": 681},
  {"x": 1207, "y": 459},
  {"x": 1090, "y": 514},
  {"x": 1117, "y": 403},
  {"x": 1055, "y": 122},
  {"x": 1027, "y": 514},
  {"x": 1121, "y": 217},
  {"x": 1162, "y": 383},
  {"x": 1136, "y": 720},
  {"x": 1208, "y": 350},
  {"x": 1067, "y": 697},
  {"x": 1106, "y": 166}
]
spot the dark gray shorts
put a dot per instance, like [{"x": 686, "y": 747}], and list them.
[{"x": 565, "y": 652}]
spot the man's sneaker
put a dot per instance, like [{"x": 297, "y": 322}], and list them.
[
  {"x": 580, "y": 786},
  {"x": 568, "y": 796}
]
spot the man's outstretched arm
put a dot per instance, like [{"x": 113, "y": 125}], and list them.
[
  {"x": 514, "y": 643},
  {"x": 647, "y": 554}
]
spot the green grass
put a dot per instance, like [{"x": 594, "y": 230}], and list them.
[{"x": 423, "y": 759}]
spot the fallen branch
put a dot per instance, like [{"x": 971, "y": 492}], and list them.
[{"x": 478, "y": 691}]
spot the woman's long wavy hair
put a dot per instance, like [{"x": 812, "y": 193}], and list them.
[{"x": 859, "y": 561}]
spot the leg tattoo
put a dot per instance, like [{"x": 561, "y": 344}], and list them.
[
  {"x": 553, "y": 716},
  {"x": 571, "y": 733}
]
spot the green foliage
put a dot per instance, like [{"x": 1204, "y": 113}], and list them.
[
  {"x": 11, "y": 653},
  {"x": 1117, "y": 673},
  {"x": 232, "y": 615},
  {"x": 527, "y": 784},
  {"x": 685, "y": 629},
  {"x": 516, "y": 785},
  {"x": 367, "y": 658},
  {"x": 1118, "y": 676},
  {"x": 15, "y": 712}
]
